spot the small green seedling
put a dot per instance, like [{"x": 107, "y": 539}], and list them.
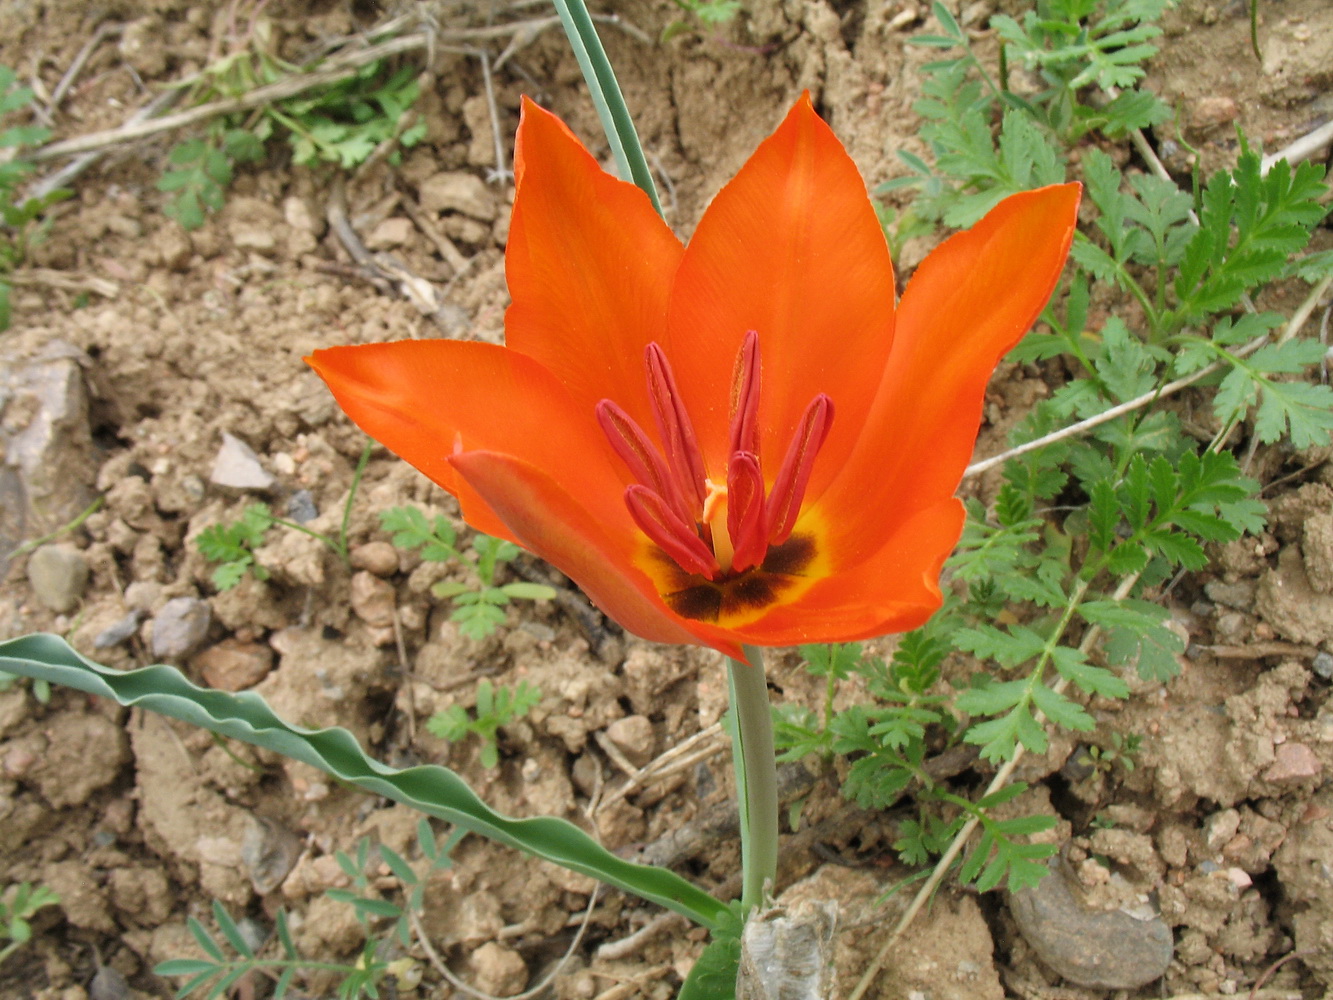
[
  {"x": 214, "y": 975},
  {"x": 342, "y": 123},
  {"x": 233, "y": 543},
  {"x": 233, "y": 546},
  {"x": 23, "y": 217},
  {"x": 704, "y": 13},
  {"x": 496, "y": 707},
  {"x": 18, "y": 904},
  {"x": 478, "y": 609}
]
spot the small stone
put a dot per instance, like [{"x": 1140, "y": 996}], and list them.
[
  {"x": 301, "y": 507},
  {"x": 380, "y": 558},
  {"x": 237, "y": 466},
  {"x": 633, "y": 736},
  {"x": 1213, "y": 110},
  {"x": 269, "y": 852},
  {"x": 498, "y": 970},
  {"x": 1220, "y": 828},
  {"x": 372, "y": 599},
  {"x": 114, "y": 635},
  {"x": 1100, "y": 949},
  {"x": 390, "y": 234},
  {"x": 180, "y": 627},
  {"x": 233, "y": 665},
  {"x": 457, "y": 191},
  {"x": 1323, "y": 665},
  {"x": 1294, "y": 762},
  {"x": 58, "y": 575},
  {"x": 299, "y": 216}
]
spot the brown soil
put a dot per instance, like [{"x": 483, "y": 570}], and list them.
[{"x": 1225, "y": 825}]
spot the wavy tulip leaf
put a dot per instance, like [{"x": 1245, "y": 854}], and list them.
[{"x": 429, "y": 788}]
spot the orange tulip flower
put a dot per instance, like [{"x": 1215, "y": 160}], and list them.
[{"x": 736, "y": 441}]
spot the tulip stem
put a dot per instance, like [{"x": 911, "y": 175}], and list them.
[
  {"x": 756, "y": 776},
  {"x": 631, "y": 164}
]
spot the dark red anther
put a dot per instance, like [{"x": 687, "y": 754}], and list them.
[
  {"x": 746, "y": 525},
  {"x": 745, "y": 397},
  {"x": 677, "y": 433},
  {"x": 640, "y": 457},
  {"x": 669, "y": 533},
  {"x": 784, "y": 502}
]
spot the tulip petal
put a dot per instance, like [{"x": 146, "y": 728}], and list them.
[
  {"x": 545, "y": 519},
  {"x": 589, "y": 265},
  {"x": 791, "y": 249},
  {"x": 427, "y": 400},
  {"x": 893, "y": 589},
  {"x": 967, "y": 304}
]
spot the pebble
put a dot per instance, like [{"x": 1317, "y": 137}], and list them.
[
  {"x": 58, "y": 575},
  {"x": 1323, "y": 665},
  {"x": 372, "y": 599},
  {"x": 498, "y": 970},
  {"x": 269, "y": 852},
  {"x": 391, "y": 233},
  {"x": 301, "y": 507},
  {"x": 1100, "y": 949},
  {"x": 114, "y": 635},
  {"x": 1294, "y": 762},
  {"x": 633, "y": 736},
  {"x": 233, "y": 665},
  {"x": 457, "y": 191},
  {"x": 180, "y": 627},
  {"x": 236, "y": 465},
  {"x": 380, "y": 558}
]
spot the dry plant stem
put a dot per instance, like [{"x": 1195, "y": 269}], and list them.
[
  {"x": 1293, "y": 327},
  {"x": 443, "y": 969},
  {"x": 1001, "y": 779},
  {"x": 1302, "y": 149},
  {"x": 343, "y": 67}
]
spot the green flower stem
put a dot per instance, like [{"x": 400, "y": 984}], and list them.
[
  {"x": 631, "y": 164},
  {"x": 756, "y": 776}
]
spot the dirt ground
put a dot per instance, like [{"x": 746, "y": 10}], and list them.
[{"x": 152, "y": 343}]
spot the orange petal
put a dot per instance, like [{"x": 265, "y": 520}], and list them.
[
  {"x": 544, "y": 518},
  {"x": 790, "y": 248},
  {"x": 589, "y": 265},
  {"x": 967, "y": 304},
  {"x": 427, "y": 400},
  {"x": 893, "y": 589}
]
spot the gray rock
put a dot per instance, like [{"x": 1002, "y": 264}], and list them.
[
  {"x": 301, "y": 507},
  {"x": 48, "y": 471},
  {"x": 180, "y": 627},
  {"x": 269, "y": 852},
  {"x": 114, "y": 635},
  {"x": 58, "y": 575},
  {"x": 1100, "y": 949},
  {"x": 236, "y": 465}
]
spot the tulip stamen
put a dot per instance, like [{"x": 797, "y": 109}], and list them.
[
  {"x": 677, "y": 433},
  {"x": 720, "y": 530}
]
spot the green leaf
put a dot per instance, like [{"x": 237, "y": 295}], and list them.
[
  {"x": 184, "y": 967},
  {"x": 428, "y": 788},
  {"x": 529, "y": 591},
  {"x": 230, "y": 931},
  {"x": 202, "y": 936},
  {"x": 713, "y": 976}
]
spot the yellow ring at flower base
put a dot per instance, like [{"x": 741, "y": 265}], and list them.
[{"x": 734, "y": 601}]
